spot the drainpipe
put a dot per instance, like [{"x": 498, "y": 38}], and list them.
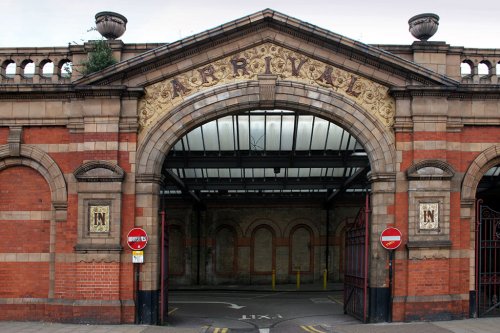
[
  {"x": 327, "y": 250},
  {"x": 198, "y": 243}
]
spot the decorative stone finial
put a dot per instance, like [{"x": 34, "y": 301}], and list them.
[
  {"x": 424, "y": 26},
  {"x": 110, "y": 25}
]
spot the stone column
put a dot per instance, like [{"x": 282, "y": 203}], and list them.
[
  {"x": 383, "y": 196},
  {"x": 147, "y": 218}
]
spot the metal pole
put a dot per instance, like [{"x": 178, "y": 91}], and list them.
[
  {"x": 476, "y": 250},
  {"x": 367, "y": 244},
  {"x": 389, "y": 315},
  {"x": 273, "y": 282},
  {"x": 327, "y": 250},
  {"x": 136, "y": 270},
  {"x": 325, "y": 274},
  {"x": 164, "y": 271},
  {"x": 198, "y": 244}
]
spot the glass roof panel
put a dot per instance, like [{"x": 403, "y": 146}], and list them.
[
  {"x": 315, "y": 172},
  {"x": 319, "y": 134},
  {"x": 346, "y": 140},
  {"x": 287, "y": 129},
  {"x": 273, "y": 128},
  {"x": 226, "y": 134},
  {"x": 242, "y": 130},
  {"x": 304, "y": 130},
  {"x": 493, "y": 171},
  {"x": 334, "y": 137},
  {"x": 258, "y": 173},
  {"x": 211, "y": 136},
  {"x": 194, "y": 140},
  {"x": 338, "y": 172},
  {"x": 202, "y": 160},
  {"x": 257, "y": 139}
]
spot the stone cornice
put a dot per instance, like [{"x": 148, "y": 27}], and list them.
[
  {"x": 463, "y": 91},
  {"x": 51, "y": 91}
]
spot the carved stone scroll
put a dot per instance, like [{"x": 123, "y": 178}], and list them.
[{"x": 265, "y": 60}]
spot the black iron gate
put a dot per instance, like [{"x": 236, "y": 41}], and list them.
[
  {"x": 488, "y": 262},
  {"x": 356, "y": 265}
]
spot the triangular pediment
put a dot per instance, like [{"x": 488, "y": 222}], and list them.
[{"x": 259, "y": 29}]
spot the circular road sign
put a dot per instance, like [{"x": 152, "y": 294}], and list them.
[
  {"x": 390, "y": 238},
  {"x": 137, "y": 239}
]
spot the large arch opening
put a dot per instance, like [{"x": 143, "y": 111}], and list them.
[
  {"x": 367, "y": 142},
  {"x": 480, "y": 189},
  {"x": 281, "y": 167},
  {"x": 260, "y": 195},
  {"x": 488, "y": 244}
]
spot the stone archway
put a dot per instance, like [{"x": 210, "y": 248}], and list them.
[
  {"x": 46, "y": 166},
  {"x": 42, "y": 163},
  {"x": 478, "y": 167},
  {"x": 156, "y": 141},
  {"x": 482, "y": 163},
  {"x": 377, "y": 139}
]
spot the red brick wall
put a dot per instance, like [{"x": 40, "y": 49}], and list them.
[
  {"x": 97, "y": 280},
  {"x": 24, "y": 189},
  {"x": 435, "y": 277},
  {"x": 4, "y": 134}
]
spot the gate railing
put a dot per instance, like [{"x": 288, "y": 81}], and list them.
[
  {"x": 488, "y": 262},
  {"x": 356, "y": 265}
]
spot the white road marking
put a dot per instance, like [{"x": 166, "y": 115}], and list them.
[
  {"x": 231, "y": 305},
  {"x": 263, "y": 330}
]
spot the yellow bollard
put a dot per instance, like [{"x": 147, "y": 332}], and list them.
[
  {"x": 325, "y": 277},
  {"x": 298, "y": 279},
  {"x": 273, "y": 280}
]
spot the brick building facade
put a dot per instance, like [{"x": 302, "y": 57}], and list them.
[{"x": 82, "y": 162}]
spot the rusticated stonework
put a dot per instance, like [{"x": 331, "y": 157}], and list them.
[{"x": 267, "y": 59}]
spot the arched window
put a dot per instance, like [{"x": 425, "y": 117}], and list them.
[
  {"x": 301, "y": 249},
  {"x": 263, "y": 254},
  {"x": 65, "y": 68},
  {"x": 28, "y": 68},
  {"x": 466, "y": 68},
  {"x": 225, "y": 250},
  {"x": 484, "y": 68},
  {"x": 9, "y": 69},
  {"x": 47, "y": 68}
]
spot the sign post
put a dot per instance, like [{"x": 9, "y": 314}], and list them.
[
  {"x": 390, "y": 239},
  {"x": 137, "y": 240}
]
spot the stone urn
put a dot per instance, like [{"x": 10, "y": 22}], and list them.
[
  {"x": 423, "y": 26},
  {"x": 110, "y": 25}
]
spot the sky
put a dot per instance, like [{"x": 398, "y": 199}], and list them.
[{"x": 35, "y": 23}]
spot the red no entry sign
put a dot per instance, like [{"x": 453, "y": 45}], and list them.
[
  {"x": 390, "y": 238},
  {"x": 137, "y": 239}
]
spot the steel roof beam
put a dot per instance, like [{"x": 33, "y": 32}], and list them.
[{"x": 270, "y": 160}]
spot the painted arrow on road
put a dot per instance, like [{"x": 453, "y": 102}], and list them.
[{"x": 231, "y": 305}]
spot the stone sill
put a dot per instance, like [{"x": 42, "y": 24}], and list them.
[
  {"x": 86, "y": 248},
  {"x": 428, "y": 244}
]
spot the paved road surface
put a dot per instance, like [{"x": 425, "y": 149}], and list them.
[{"x": 260, "y": 312}]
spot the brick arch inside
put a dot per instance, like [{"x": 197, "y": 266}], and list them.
[{"x": 377, "y": 140}]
